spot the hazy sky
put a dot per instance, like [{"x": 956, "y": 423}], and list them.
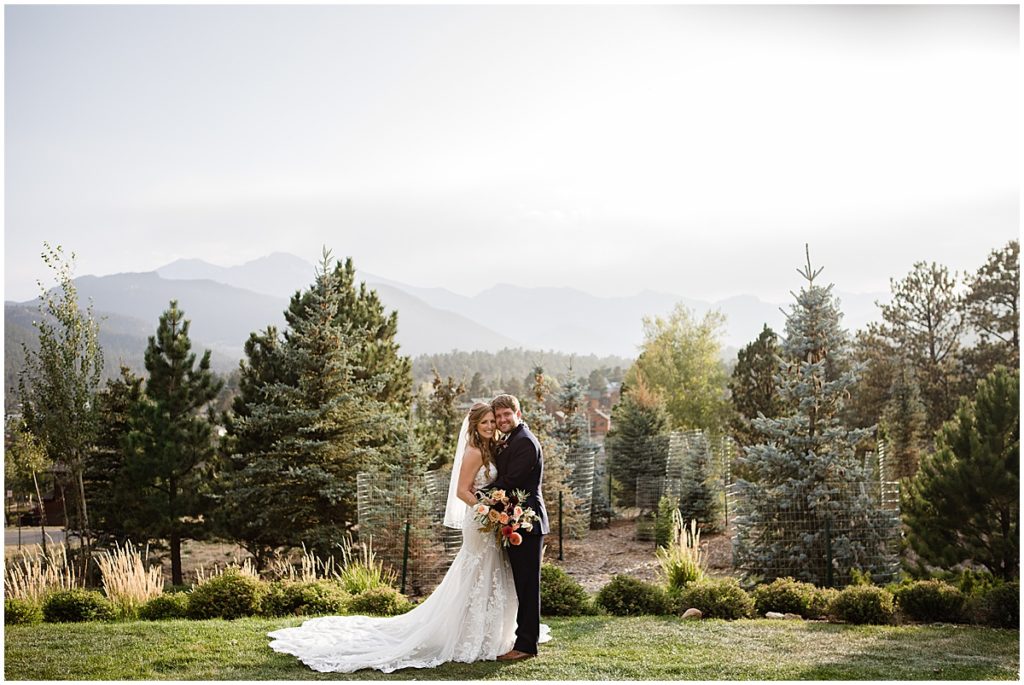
[{"x": 688, "y": 149}]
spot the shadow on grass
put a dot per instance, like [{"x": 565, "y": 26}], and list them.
[{"x": 948, "y": 652}]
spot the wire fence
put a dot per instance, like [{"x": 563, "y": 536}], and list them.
[
  {"x": 674, "y": 474},
  {"x": 821, "y": 531},
  {"x": 403, "y": 515},
  {"x": 582, "y": 465}
]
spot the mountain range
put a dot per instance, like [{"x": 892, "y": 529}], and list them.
[{"x": 225, "y": 304}]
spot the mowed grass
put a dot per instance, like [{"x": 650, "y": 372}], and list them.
[{"x": 586, "y": 648}]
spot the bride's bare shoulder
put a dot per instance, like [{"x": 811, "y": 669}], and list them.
[{"x": 473, "y": 454}]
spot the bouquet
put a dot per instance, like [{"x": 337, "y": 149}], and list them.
[{"x": 504, "y": 515}]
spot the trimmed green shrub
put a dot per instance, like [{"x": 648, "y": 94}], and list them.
[
  {"x": 999, "y": 605},
  {"x": 379, "y": 601},
  {"x": 167, "y": 605},
  {"x": 278, "y": 600},
  {"x": 973, "y": 582},
  {"x": 785, "y": 595},
  {"x": 232, "y": 594},
  {"x": 929, "y": 601},
  {"x": 20, "y": 611},
  {"x": 561, "y": 595},
  {"x": 821, "y": 602},
  {"x": 863, "y": 604},
  {"x": 75, "y": 605},
  {"x": 628, "y": 596},
  {"x": 305, "y": 598},
  {"x": 717, "y": 598}
]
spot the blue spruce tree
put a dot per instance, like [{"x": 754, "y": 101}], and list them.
[{"x": 807, "y": 506}]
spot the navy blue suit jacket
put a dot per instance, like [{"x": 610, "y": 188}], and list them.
[{"x": 521, "y": 467}]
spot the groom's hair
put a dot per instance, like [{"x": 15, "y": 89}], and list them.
[{"x": 505, "y": 402}]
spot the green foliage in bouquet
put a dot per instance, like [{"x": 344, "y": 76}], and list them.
[
  {"x": 19, "y": 611},
  {"x": 170, "y": 605},
  {"x": 628, "y": 596},
  {"x": 718, "y": 598},
  {"x": 232, "y": 594},
  {"x": 863, "y": 604},
  {"x": 561, "y": 595},
  {"x": 379, "y": 601},
  {"x": 75, "y": 605},
  {"x": 930, "y": 601}
]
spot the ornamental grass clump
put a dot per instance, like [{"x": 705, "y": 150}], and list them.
[
  {"x": 930, "y": 601},
  {"x": 311, "y": 567},
  {"x": 682, "y": 561},
  {"x": 127, "y": 582},
  {"x": 31, "y": 575},
  {"x": 245, "y": 568},
  {"x": 362, "y": 571}
]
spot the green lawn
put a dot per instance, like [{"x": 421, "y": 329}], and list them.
[{"x": 587, "y": 648}]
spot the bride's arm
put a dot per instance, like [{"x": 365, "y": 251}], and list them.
[{"x": 471, "y": 463}]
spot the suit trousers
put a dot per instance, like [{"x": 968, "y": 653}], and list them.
[{"x": 525, "y": 561}]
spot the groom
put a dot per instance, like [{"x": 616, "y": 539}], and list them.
[{"x": 521, "y": 467}]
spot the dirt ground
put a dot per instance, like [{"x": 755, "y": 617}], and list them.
[{"x": 605, "y": 552}]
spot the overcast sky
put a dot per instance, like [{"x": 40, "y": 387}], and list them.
[{"x": 687, "y": 149}]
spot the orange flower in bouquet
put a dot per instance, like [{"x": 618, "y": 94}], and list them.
[{"x": 503, "y": 514}]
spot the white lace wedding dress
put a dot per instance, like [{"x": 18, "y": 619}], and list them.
[{"x": 470, "y": 616}]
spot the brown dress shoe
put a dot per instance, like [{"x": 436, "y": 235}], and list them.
[{"x": 515, "y": 655}]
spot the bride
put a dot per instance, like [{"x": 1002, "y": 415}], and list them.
[{"x": 470, "y": 616}]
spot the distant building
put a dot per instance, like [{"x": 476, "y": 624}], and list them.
[{"x": 600, "y": 423}]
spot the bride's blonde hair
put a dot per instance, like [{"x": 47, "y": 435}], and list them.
[{"x": 487, "y": 446}]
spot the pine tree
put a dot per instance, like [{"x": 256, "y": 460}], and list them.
[
  {"x": 308, "y": 420},
  {"x": 438, "y": 420},
  {"x": 925, "y": 321},
  {"x": 963, "y": 505},
  {"x": 573, "y": 435},
  {"x": 376, "y": 362},
  {"x": 171, "y": 447},
  {"x": 878, "y": 358},
  {"x": 476, "y": 385},
  {"x": 992, "y": 307},
  {"x": 806, "y": 492},
  {"x": 637, "y": 443},
  {"x": 904, "y": 424},
  {"x": 752, "y": 387},
  {"x": 557, "y": 472},
  {"x": 115, "y": 503},
  {"x": 697, "y": 500}
]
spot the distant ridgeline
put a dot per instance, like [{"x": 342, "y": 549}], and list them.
[{"x": 507, "y": 369}]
